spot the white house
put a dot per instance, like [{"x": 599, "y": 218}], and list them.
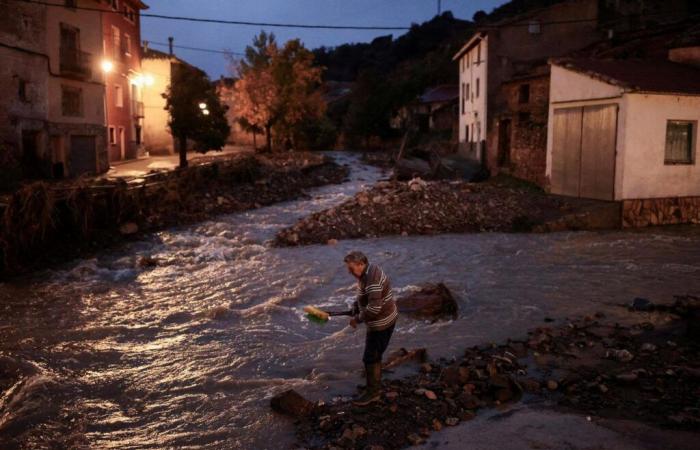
[
  {"x": 627, "y": 131},
  {"x": 472, "y": 99}
]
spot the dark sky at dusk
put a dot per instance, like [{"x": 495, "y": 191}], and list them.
[{"x": 325, "y": 12}]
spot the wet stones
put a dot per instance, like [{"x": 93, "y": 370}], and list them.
[{"x": 291, "y": 403}]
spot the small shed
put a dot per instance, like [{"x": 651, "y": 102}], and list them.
[{"x": 626, "y": 130}]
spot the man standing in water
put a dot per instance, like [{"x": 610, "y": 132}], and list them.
[{"x": 375, "y": 306}]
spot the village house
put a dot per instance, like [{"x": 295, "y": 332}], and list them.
[
  {"x": 159, "y": 68},
  {"x": 627, "y": 130},
  {"x": 434, "y": 110},
  {"x": 124, "y": 79},
  {"x": 504, "y": 76},
  {"x": 53, "y": 113}
]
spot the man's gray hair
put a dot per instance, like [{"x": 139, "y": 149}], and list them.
[{"x": 356, "y": 257}]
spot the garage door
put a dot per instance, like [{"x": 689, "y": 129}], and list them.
[
  {"x": 83, "y": 156},
  {"x": 583, "y": 153}
]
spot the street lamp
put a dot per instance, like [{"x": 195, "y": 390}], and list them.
[
  {"x": 205, "y": 112},
  {"x": 148, "y": 79},
  {"x": 203, "y": 106},
  {"x": 107, "y": 65}
]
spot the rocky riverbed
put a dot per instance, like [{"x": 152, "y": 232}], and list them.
[
  {"x": 646, "y": 369},
  {"x": 419, "y": 207}
]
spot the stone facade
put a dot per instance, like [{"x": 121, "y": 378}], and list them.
[
  {"x": 660, "y": 211},
  {"x": 521, "y": 129}
]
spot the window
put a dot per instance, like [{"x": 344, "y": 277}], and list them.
[
  {"x": 22, "y": 90},
  {"x": 112, "y": 135},
  {"x": 472, "y": 132},
  {"x": 115, "y": 4},
  {"x": 477, "y": 88},
  {"x": 468, "y": 91},
  {"x": 71, "y": 101},
  {"x": 466, "y": 133},
  {"x": 116, "y": 45},
  {"x": 464, "y": 94},
  {"x": 524, "y": 93},
  {"x": 118, "y": 96},
  {"x": 127, "y": 45},
  {"x": 680, "y": 140},
  {"x": 478, "y": 54},
  {"x": 534, "y": 27},
  {"x": 467, "y": 58},
  {"x": 129, "y": 13},
  {"x": 523, "y": 118}
]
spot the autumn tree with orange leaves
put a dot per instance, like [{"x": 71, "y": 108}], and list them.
[{"x": 278, "y": 89}]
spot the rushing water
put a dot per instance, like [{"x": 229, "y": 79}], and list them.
[{"x": 188, "y": 354}]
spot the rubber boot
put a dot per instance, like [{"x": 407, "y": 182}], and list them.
[{"x": 374, "y": 383}]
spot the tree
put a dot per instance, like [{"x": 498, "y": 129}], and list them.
[
  {"x": 277, "y": 88},
  {"x": 195, "y": 110}
]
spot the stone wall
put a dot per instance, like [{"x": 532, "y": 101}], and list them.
[{"x": 660, "y": 211}]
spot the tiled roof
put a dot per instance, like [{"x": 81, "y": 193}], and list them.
[
  {"x": 442, "y": 93},
  {"x": 639, "y": 75}
]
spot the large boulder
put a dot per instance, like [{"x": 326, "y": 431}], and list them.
[
  {"x": 292, "y": 403},
  {"x": 432, "y": 301}
]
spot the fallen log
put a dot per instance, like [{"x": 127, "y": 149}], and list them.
[
  {"x": 432, "y": 301},
  {"x": 402, "y": 356}
]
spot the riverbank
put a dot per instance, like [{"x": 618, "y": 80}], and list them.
[
  {"x": 419, "y": 207},
  {"x": 45, "y": 224},
  {"x": 641, "y": 366}
]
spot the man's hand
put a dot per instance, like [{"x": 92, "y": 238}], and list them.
[{"x": 353, "y": 322}]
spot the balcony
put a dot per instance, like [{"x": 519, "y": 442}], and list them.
[
  {"x": 75, "y": 64},
  {"x": 138, "y": 110}
]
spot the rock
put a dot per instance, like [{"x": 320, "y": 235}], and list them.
[
  {"x": 426, "y": 368},
  {"x": 647, "y": 347},
  {"x": 292, "y": 403},
  {"x": 407, "y": 168},
  {"x": 417, "y": 184},
  {"x": 504, "y": 395},
  {"x": 641, "y": 304},
  {"x": 437, "y": 425},
  {"x": 432, "y": 301},
  {"x": 499, "y": 381},
  {"x": 620, "y": 355},
  {"x": 530, "y": 385},
  {"x": 468, "y": 401},
  {"x": 552, "y": 385},
  {"x": 451, "y": 421},
  {"x": 451, "y": 376},
  {"x": 466, "y": 416},
  {"x": 220, "y": 200},
  {"x": 419, "y": 392},
  {"x": 362, "y": 199},
  {"x": 147, "y": 261},
  {"x": 332, "y": 241},
  {"x": 603, "y": 388},
  {"x": 627, "y": 377},
  {"x": 430, "y": 395},
  {"x": 391, "y": 396},
  {"x": 128, "y": 228},
  {"x": 414, "y": 439}
]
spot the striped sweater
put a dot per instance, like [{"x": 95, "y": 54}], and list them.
[{"x": 375, "y": 303}]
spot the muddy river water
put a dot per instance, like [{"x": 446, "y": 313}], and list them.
[{"x": 187, "y": 354}]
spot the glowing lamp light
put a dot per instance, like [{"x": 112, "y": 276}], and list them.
[
  {"x": 138, "y": 80},
  {"x": 205, "y": 112},
  {"x": 148, "y": 79},
  {"x": 107, "y": 66},
  {"x": 203, "y": 106}
]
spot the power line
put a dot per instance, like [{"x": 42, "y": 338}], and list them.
[
  {"x": 198, "y": 49},
  {"x": 227, "y": 22}
]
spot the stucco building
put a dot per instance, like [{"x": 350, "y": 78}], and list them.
[
  {"x": 627, "y": 131},
  {"x": 52, "y": 112},
  {"x": 125, "y": 80}
]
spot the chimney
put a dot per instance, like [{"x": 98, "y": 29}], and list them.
[{"x": 170, "y": 45}]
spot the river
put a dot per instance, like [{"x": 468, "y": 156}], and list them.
[{"x": 188, "y": 354}]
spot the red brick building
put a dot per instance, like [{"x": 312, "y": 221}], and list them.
[{"x": 124, "y": 79}]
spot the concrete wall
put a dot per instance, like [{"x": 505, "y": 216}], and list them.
[
  {"x": 156, "y": 134},
  {"x": 644, "y": 174},
  {"x": 475, "y": 112}
]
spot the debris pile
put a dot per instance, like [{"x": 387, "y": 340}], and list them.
[
  {"x": 418, "y": 207},
  {"x": 592, "y": 365}
]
